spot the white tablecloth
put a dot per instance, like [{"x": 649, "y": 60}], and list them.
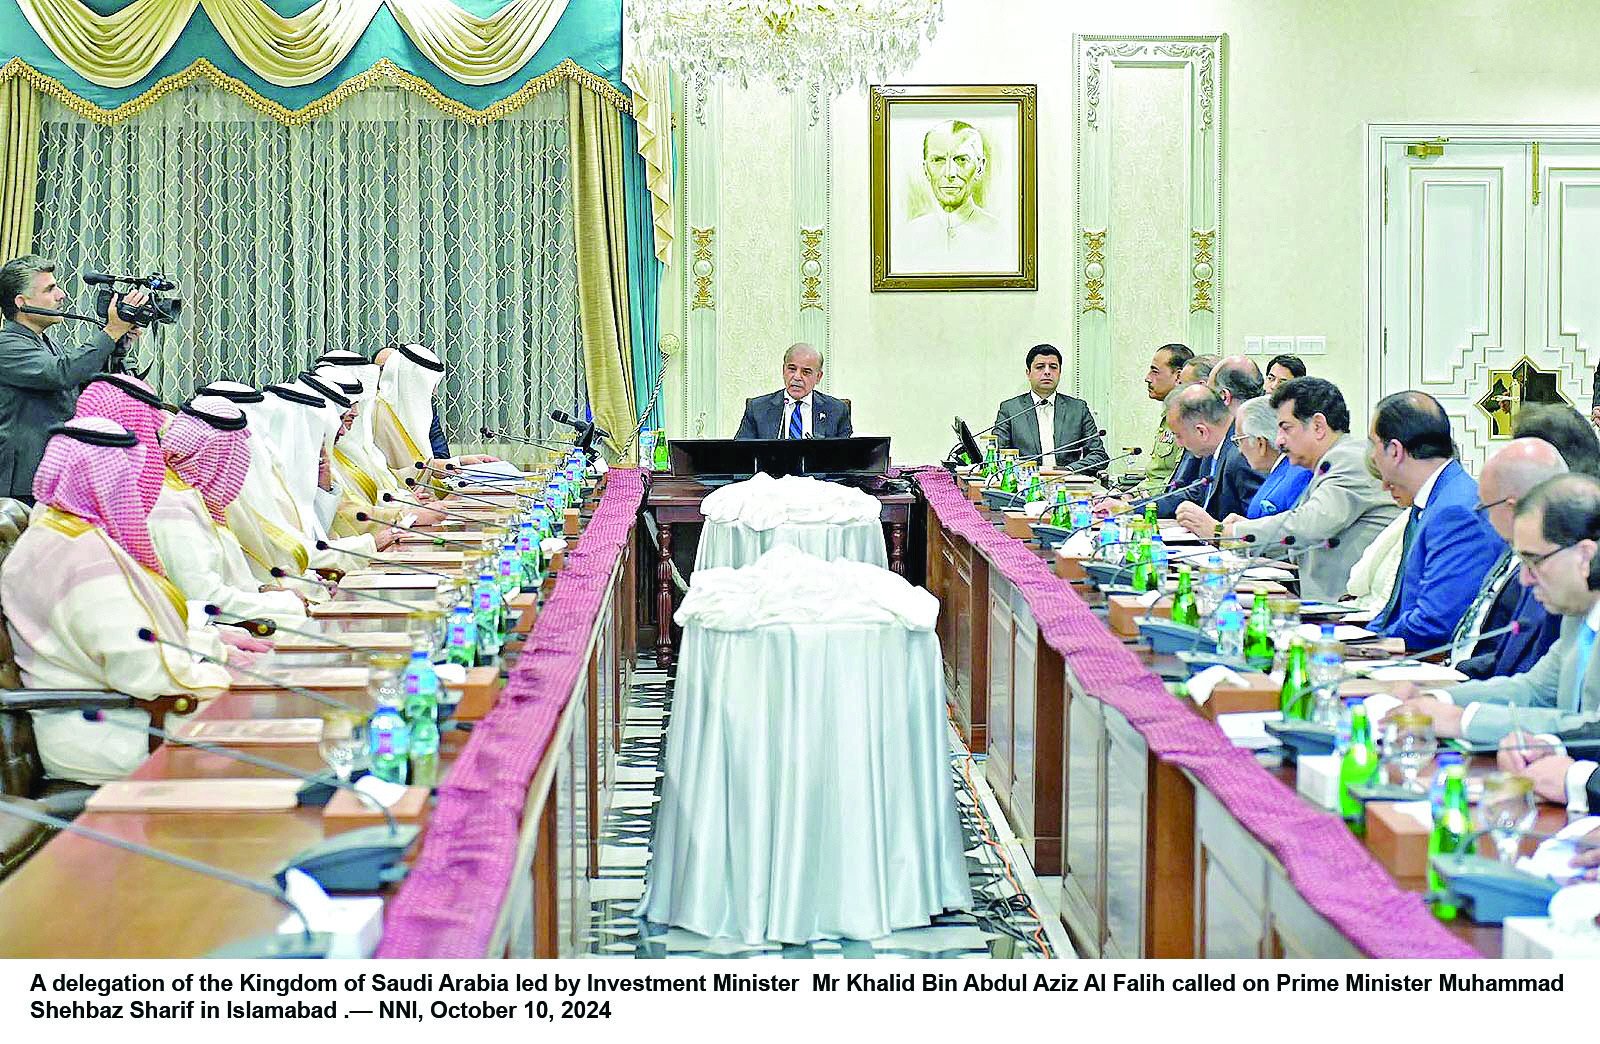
[
  {"x": 808, "y": 792},
  {"x": 734, "y": 544}
]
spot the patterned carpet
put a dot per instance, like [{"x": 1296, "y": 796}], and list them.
[{"x": 1010, "y": 917}]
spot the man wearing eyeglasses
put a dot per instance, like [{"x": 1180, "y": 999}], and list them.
[
  {"x": 1506, "y": 479},
  {"x": 1448, "y": 548},
  {"x": 1556, "y": 539}
]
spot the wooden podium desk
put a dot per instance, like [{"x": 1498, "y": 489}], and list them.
[{"x": 675, "y": 502}]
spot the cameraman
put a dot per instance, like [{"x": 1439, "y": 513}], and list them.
[{"x": 39, "y": 378}]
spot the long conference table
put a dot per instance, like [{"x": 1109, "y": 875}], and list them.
[{"x": 1169, "y": 842}]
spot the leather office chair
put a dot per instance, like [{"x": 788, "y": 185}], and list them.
[{"x": 22, "y": 777}]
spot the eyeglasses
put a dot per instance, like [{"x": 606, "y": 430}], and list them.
[
  {"x": 1481, "y": 508},
  {"x": 1532, "y": 562}
]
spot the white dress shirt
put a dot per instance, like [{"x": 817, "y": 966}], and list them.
[
  {"x": 789, "y": 406},
  {"x": 1045, "y": 411}
]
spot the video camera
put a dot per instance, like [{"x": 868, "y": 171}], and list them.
[{"x": 158, "y": 309}]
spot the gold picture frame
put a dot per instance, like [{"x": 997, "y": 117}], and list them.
[{"x": 966, "y": 215}]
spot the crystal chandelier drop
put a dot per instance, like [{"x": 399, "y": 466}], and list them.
[{"x": 793, "y": 44}]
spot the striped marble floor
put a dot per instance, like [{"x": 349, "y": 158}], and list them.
[{"x": 1011, "y": 916}]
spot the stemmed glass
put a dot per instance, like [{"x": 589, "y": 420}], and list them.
[
  {"x": 1506, "y": 811},
  {"x": 344, "y": 743},
  {"x": 1409, "y": 743}
]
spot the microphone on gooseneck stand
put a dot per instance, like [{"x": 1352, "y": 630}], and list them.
[
  {"x": 1008, "y": 417},
  {"x": 322, "y": 545},
  {"x": 215, "y": 612},
  {"x": 362, "y": 516},
  {"x": 451, "y": 492},
  {"x": 147, "y": 635},
  {"x": 492, "y": 435},
  {"x": 1514, "y": 627},
  {"x": 583, "y": 428},
  {"x": 259, "y": 626},
  {"x": 390, "y": 498},
  {"x": 305, "y": 945},
  {"x": 1095, "y": 465},
  {"x": 280, "y": 574},
  {"x": 1197, "y": 484},
  {"x": 337, "y": 864}
]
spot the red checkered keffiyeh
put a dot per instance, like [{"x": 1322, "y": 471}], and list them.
[
  {"x": 120, "y": 398},
  {"x": 97, "y": 483},
  {"x": 211, "y": 460}
]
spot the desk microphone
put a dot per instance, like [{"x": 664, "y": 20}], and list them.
[
  {"x": 216, "y": 613},
  {"x": 412, "y": 606},
  {"x": 1197, "y": 484},
  {"x": 956, "y": 426},
  {"x": 147, "y": 635},
  {"x": 338, "y": 863},
  {"x": 583, "y": 428},
  {"x": 448, "y": 492},
  {"x": 505, "y": 436},
  {"x": 362, "y": 516},
  {"x": 402, "y": 566},
  {"x": 259, "y": 626},
  {"x": 1514, "y": 627},
  {"x": 1080, "y": 466},
  {"x": 307, "y": 944},
  {"x": 390, "y": 498}
]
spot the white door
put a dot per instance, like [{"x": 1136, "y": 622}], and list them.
[{"x": 1490, "y": 278}]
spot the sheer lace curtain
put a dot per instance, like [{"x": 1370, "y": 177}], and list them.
[{"x": 385, "y": 220}]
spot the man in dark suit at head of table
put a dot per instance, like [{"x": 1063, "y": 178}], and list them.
[{"x": 797, "y": 410}]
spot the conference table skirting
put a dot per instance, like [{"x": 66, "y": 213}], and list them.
[{"x": 735, "y": 544}]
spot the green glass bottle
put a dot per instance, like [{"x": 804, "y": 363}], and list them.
[
  {"x": 1142, "y": 572},
  {"x": 1258, "y": 650},
  {"x": 991, "y": 458},
  {"x": 663, "y": 459},
  {"x": 1061, "y": 510},
  {"x": 1035, "y": 488},
  {"x": 1294, "y": 696},
  {"x": 1150, "y": 517},
  {"x": 1359, "y": 768},
  {"x": 1452, "y": 825},
  {"x": 1185, "y": 610},
  {"x": 1008, "y": 475}
]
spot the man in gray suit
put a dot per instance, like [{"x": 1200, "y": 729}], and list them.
[
  {"x": 1343, "y": 502},
  {"x": 39, "y": 379},
  {"x": 1044, "y": 425},
  {"x": 1556, "y": 537},
  {"x": 797, "y": 410}
]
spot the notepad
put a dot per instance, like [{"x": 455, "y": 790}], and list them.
[
  {"x": 195, "y": 795},
  {"x": 244, "y": 732},
  {"x": 1341, "y": 632}
]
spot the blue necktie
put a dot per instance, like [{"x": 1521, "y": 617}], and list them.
[
  {"x": 797, "y": 425},
  {"x": 1585, "y": 652}
]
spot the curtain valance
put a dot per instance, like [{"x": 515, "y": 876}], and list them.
[{"x": 477, "y": 59}]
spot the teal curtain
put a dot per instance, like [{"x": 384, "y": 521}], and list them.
[{"x": 644, "y": 280}]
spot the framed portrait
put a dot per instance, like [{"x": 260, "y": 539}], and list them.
[{"x": 955, "y": 187}]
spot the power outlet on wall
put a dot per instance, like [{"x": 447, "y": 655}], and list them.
[
  {"x": 1252, "y": 346},
  {"x": 1278, "y": 344},
  {"x": 1311, "y": 346}
]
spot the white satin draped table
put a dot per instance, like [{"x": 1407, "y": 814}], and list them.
[
  {"x": 808, "y": 792},
  {"x": 747, "y": 519}
]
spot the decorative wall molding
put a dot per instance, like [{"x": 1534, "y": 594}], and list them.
[
  {"x": 1111, "y": 320},
  {"x": 811, "y": 255},
  {"x": 703, "y": 268},
  {"x": 811, "y": 121},
  {"x": 1094, "y": 271}
]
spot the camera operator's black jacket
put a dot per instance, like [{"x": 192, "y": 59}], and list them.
[{"x": 39, "y": 383}]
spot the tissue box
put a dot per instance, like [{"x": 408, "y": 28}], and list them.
[
  {"x": 1070, "y": 568},
  {"x": 1398, "y": 838},
  {"x": 1017, "y": 525},
  {"x": 569, "y": 522},
  {"x": 478, "y": 694},
  {"x": 1124, "y": 612},
  {"x": 975, "y": 490},
  {"x": 1538, "y": 937},
  {"x": 526, "y": 605},
  {"x": 1317, "y": 780},
  {"x": 356, "y": 924},
  {"x": 1254, "y": 693},
  {"x": 344, "y": 811}
]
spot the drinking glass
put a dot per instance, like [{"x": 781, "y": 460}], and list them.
[
  {"x": 344, "y": 743},
  {"x": 1408, "y": 744},
  {"x": 1506, "y": 811}
]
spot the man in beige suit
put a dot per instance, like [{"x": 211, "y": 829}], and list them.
[{"x": 1344, "y": 502}]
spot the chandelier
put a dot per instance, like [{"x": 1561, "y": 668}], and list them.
[{"x": 793, "y": 44}]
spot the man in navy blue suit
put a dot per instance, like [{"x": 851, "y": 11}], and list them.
[
  {"x": 1449, "y": 547},
  {"x": 1507, "y": 478},
  {"x": 797, "y": 410},
  {"x": 1201, "y": 421}
]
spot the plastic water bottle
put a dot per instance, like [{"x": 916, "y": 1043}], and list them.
[
  {"x": 1110, "y": 548},
  {"x": 529, "y": 557},
  {"x": 461, "y": 637},
  {"x": 508, "y": 569},
  {"x": 647, "y": 448},
  {"x": 389, "y": 743},
  {"x": 421, "y": 686},
  {"x": 1230, "y": 628},
  {"x": 1082, "y": 514},
  {"x": 1341, "y": 725},
  {"x": 1441, "y": 772},
  {"x": 1160, "y": 559},
  {"x": 486, "y": 611}
]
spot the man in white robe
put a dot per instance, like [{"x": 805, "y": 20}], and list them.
[{"x": 78, "y": 586}]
